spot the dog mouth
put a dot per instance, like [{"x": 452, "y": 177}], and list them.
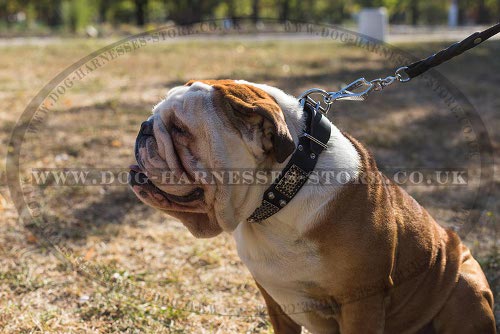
[
  {"x": 139, "y": 178},
  {"x": 145, "y": 184}
]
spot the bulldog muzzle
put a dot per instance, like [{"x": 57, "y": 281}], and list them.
[{"x": 139, "y": 176}]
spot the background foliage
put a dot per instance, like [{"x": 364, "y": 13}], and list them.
[{"x": 76, "y": 15}]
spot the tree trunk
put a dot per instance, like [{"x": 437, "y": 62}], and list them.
[
  {"x": 255, "y": 11},
  {"x": 231, "y": 9},
  {"x": 415, "y": 14},
  {"x": 167, "y": 9},
  {"x": 3, "y": 12},
  {"x": 140, "y": 12},
  {"x": 285, "y": 10},
  {"x": 461, "y": 12},
  {"x": 103, "y": 9},
  {"x": 482, "y": 13}
]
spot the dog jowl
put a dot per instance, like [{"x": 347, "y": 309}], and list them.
[{"x": 366, "y": 254}]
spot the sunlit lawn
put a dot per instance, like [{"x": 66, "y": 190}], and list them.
[{"x": 94, "y": 125}]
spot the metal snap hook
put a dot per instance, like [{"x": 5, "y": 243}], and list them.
[{"x": 401, "y": 74}]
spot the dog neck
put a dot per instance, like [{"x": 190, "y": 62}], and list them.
[
  {"x": 307, "y": 205},
  {"x": 338, "y": 160}
]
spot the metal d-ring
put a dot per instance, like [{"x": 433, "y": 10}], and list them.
[
  {"x": 313, "y": 91},
  {"x": 305, "y": 96}
]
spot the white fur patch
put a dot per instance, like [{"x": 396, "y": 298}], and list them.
[{"x": 274, "y": 251}]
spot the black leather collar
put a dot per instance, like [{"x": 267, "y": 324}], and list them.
[{"x": 296, "y": 173}]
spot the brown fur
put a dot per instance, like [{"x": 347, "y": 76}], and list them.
[
  {"x": 250, "y": 103},
  {"x": 388, "y": 266},
  {"x": 391, "y": 268},
  {"x": 280, "y": 321}
]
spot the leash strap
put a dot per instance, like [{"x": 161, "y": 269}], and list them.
[
  {"x": 296, "y": 173},
  {"x": 454, "y": 50},
  {"x": 359, "y": 89},
  {"x": 315, "y": 138}
]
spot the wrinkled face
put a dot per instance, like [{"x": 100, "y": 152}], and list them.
[{"x": 201, "y": 128}]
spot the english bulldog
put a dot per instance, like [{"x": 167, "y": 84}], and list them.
[{"x": 353, "y": 257}]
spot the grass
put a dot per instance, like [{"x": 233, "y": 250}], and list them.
[{"x": 142, "y": 253}]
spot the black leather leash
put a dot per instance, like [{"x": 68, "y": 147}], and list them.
[
  {"x": 302, "y": 162},
  {"x": 419, "y": 67},
  {"x": 359, "y": 89}
]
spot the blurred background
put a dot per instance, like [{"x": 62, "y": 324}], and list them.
[
  {"x": 101, "y": 18},
  {"x": 132, "y": 252}
]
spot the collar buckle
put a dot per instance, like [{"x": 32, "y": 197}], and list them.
[{"x": 317, "y": 141}]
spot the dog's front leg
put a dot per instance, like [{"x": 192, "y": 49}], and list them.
[
  {"x": 365, "y": 316},
  {"x": 282, "y": 323}
]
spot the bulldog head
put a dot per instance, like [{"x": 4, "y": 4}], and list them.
[{"x": 211, "y": 125}]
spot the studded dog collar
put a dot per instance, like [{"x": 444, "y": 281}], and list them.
[{"x": 296, "y": 173}]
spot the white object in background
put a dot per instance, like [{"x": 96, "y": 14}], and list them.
[
  {"x": 453, "y": 14},
  {"x": 373, "y": 22}
]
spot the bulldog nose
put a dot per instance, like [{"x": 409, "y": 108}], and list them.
[{"x": 147, "y": 128}]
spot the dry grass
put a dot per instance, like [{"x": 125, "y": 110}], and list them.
[{"x": 144, "y": 252}]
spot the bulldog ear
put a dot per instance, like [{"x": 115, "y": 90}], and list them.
[{"x": 250, "y": 101}]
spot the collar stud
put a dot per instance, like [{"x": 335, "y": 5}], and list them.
[{"x": 299, "y": 167}]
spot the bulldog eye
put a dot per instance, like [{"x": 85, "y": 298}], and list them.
[{"x": 177, "y": 129}]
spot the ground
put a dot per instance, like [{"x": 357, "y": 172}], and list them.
[{"x": 133, "y": 253}]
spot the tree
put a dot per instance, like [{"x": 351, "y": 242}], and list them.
[
  {"x": 231, "y": 9},
  {"x": 498, "y": 8},
  {"x": 483, "y": 14},
  {"x": 414, "y": 12},
  {"x": 255, "y": 11},
  {"x": 140, "y": 12},
  {"x": 103, "y": 10},
  {"x": 190, "y": 11},
  {"x": 285, "y": 10}
]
